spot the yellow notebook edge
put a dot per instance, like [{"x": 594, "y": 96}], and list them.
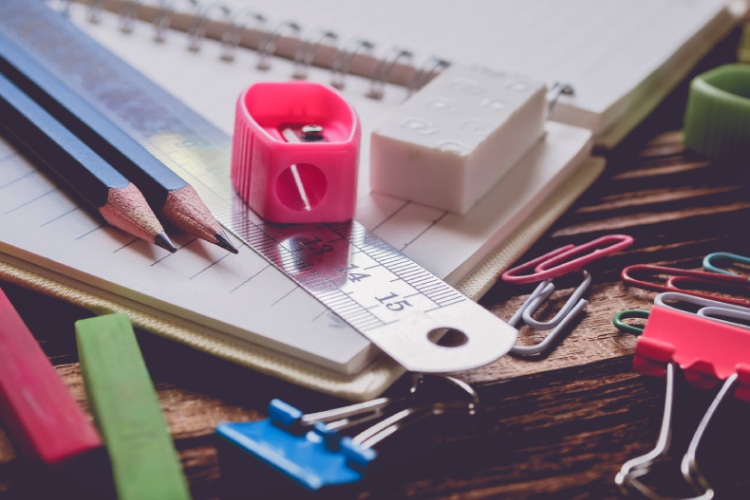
[
  {"x": 650, "y": 92},
  {"x": 382, "y": 372}
]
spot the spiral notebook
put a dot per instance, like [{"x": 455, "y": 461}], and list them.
[
  {"x": 309, "y": 348},
  {"x": 621, "y": 57}
]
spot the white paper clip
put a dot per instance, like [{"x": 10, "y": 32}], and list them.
[{"x": 558, "y": 324}]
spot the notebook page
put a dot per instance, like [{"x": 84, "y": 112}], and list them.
[
  {"x": 34, "y": 212},
  {"x": 607, "y": 50},
  {"x": 41, "y": 223},
  {"x": 411, "y": 228}
]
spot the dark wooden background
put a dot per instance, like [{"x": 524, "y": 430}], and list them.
[{"x": 557, "y": 427}]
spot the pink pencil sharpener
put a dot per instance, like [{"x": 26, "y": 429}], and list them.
[{"x": 295, "y": 151}]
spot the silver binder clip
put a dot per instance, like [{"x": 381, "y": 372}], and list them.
[
  {"x": 317, "y": 452},
  {"x": 345, "y": 56},
  {"x": 631, "y": 474},
  {"x": 267, "y": 45},
  {"x": 232, "y": 36},
  {"x": 197, "y": 29},
  {"x": 305, "y": 54},
  {"x": 558, "y": 324}
]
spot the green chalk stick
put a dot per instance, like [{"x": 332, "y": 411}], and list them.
[{"x": 126, "y": 410}]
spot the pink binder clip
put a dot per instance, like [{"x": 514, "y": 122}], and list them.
[
  {"x": 710, "y": 345},
  {"x": 295, "y": 151},
  {"x": 708, "y": 350}
]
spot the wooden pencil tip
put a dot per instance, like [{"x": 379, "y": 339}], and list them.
[
  {"x": 223, "y": 241},
  {"x": 163, "y": 241}
]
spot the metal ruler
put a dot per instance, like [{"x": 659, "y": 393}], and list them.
[{"x": 416, "y": 318}]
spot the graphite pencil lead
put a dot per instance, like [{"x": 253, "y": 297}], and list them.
[
  {"x": 223, "y": 241},
  {"x": 163, "y": 241},
  {"x": 185, "y": 209}
]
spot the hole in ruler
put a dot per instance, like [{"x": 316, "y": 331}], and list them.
[
  {"x": 447, "y": 337},
  {"x": 301, "y": 186}
]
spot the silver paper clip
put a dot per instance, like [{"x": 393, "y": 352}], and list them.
[{"x": 569, "y": 311}]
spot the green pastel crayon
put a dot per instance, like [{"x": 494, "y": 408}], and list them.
[{"x": 126, "y": 410}]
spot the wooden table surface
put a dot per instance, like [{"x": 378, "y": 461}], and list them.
[{"x": 560, "y": 426}]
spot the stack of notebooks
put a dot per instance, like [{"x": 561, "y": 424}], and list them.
[{"x": 621, "y": 59}]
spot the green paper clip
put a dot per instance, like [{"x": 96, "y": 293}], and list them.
[
  {"x": 126, "y": 410},
  {"x": 629, "y": 314}
]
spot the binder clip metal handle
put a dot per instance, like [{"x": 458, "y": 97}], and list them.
[
  {"x": 359, "y": 413},
  {"x": 629, "y": 476},
  {"x": 311, "y": 449}
]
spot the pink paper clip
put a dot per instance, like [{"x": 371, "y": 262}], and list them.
[
  {"x": 567, "y": 259},
  {"x": 295, "y": 151},
  {"x": 689, "y": 282}
]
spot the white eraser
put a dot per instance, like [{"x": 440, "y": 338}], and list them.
[{"x": 453, "y": 140}]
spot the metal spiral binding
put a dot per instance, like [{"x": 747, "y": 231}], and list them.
[
  {"x": 305, "y": 54},
  {"x": 94, "y": 13},
  {"x": 267, "y": 45},
  {"x": 197, "y": 30},
  {"x": 343, "y": 60},
  {"x": 126, "y": 19},
  {"x": 426, "y": 71},
  {"x": 164, "y": 17},
  {"x": 558, "y": 89},
  {"x": 383, "y": 69},
  {"x": 232, "y": 36},
  {"x": 201, "y": 12}
]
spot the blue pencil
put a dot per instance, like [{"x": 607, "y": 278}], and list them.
[
  {"x": 167, "y": 193},
  {"x": 44, "y": 140}
]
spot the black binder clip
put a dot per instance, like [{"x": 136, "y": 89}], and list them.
[{"x": 317, "y": 453}]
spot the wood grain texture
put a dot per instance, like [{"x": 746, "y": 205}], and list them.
[{"x": 557, "y": 427}]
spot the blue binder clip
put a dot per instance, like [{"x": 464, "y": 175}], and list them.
[{"x": 313, "y": 452}]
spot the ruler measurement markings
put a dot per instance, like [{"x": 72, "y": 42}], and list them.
[{"x": 447, "y": 295}]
